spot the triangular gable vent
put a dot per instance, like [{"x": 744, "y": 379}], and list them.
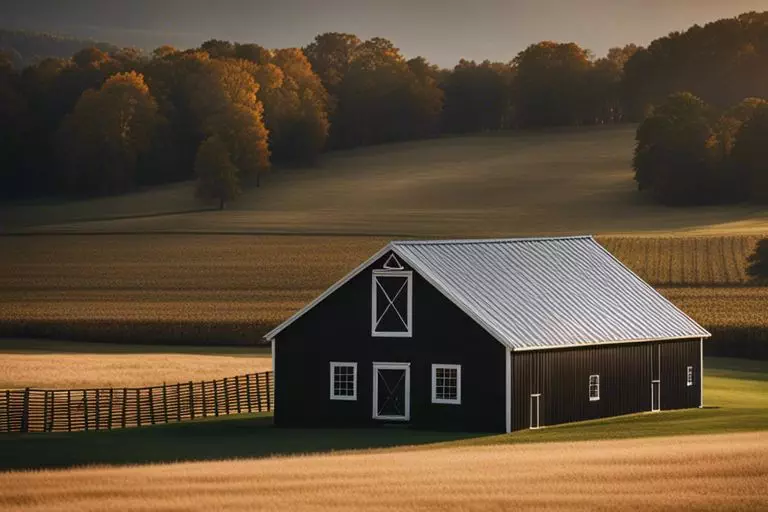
[{"x": 393, "y": 263}]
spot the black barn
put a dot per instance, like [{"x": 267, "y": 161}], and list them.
[{"x": 485, "y": 335}]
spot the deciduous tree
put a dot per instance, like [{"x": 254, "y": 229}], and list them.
[
  {"x": 217, "y": 176},
  {"x": 101, "y": 141}
]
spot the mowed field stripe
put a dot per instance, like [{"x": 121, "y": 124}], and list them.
[{"x": 710, "y": 472}]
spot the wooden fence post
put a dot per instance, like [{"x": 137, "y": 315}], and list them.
[
  {"x": 237, "y": 392},
  {"x": 258, "y": 391},
  {"x": 125, "y": 405},
  {"x": 178, "y": 402},
  {"x": 165, "y": 402},
  {"x": 25, "y": 412},
  {"x": 216, "y": 397},
  {"x": 111, "y": 405},
  {"x": 205, "y": 401},
  {"x": 69, "y": 410},
  {"x": 269, "y": 395},
  {"x": 45, "y": 410},
  {"x": 191, "y": 401},
  {"x": 98, "y": 409},
  {"x": 138, "y": 407},
  {"x": 8, "y": 410},
  {"x": 85, "y": 408},
  {"x": 52, "y": 416},
  {"x": 226, "y": 395},
  {"x": 248, "y": 391},
  {"x": 151, "y": 405}
]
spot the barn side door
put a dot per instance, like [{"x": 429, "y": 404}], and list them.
[
  {"x": 535, "y": 411},
  {"x": 656, "y": 377}
]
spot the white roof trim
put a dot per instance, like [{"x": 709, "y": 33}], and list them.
[
  {"x": 602, "y": 343},
  {"x": 341, "y": 282}
]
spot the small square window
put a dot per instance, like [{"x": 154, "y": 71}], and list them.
[
  {"x": 594, "y": 388},
  {"x": 446, "y": 384},
  {"x": 689, "y": 376},
  {"x": 343, "y": 381}
]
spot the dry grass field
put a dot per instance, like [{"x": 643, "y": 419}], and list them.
[
  {"x": 561, "y": 181},
  {"x": 712, "y": 472},
  {"x": 56, "y": 364}
]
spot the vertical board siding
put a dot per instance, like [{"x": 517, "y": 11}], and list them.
[
  {"x": 339, "y": 329},
  {"x": 69, "y": 410},
  {"x": 626, "y": 371}
]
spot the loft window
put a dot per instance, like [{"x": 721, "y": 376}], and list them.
[
  {"x": 343, "y": 381},
  {"x": 391, "y": 311},
  {"x": 689, "y": 376},
  {"x": 594, "y": 388},
  {"x": 446, "y": 384}
]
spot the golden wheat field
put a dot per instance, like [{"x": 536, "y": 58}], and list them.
[
  {"x": 55, "y": 364},
  {"x": 701, "y": 472},
  {"x": 503, "y": 184}
]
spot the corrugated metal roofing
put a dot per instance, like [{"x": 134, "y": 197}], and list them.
[
  {"x": 548, "y": 292},
  {"x": 538, "y": 293}
]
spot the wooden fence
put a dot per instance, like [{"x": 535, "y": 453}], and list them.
[{"x": 68, "y": 410}]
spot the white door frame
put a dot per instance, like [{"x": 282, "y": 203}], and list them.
[
  {"x": 535, "y": 397},
  {"x": 391, "y": 366},
  {"x": 655, "y": 404}
]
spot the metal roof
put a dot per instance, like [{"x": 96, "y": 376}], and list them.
[{"x": 538, "y": 293}]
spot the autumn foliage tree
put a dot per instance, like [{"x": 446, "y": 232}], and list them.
[
  {"x": 103, "y": 138},
  {"x": 217, "y": 177}
]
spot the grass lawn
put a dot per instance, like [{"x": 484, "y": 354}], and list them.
[{"x": 736, "y": 398}]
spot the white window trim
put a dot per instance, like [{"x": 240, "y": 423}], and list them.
[
  {"x": 338, "y": 364},
  {"x": 408, "y": 274},
  {"x": 689, "y": 376},
  {"x": 457, "y": 400},
  {"x": 589, "y": 387}
]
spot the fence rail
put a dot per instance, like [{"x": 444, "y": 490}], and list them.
[{"x": 69, "y": 410}]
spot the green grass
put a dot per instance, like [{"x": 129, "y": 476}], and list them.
[{"x": 736, "y": 399}]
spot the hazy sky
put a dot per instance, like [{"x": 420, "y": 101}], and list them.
[{"x": 441, "y": 30}]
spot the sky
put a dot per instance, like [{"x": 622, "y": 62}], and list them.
[{"x": 443, "y": 31}]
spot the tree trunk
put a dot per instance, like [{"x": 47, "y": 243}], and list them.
[{"x": 221, "y": 203}]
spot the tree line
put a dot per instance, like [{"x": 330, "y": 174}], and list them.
[{"x": 104, "y": 122}]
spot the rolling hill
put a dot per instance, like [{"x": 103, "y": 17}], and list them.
[{"x": 516, "y": 183}]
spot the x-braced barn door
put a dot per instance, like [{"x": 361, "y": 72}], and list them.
[
  {"x": 535, "y": 411},
  {"x": 392, "y": 391}
]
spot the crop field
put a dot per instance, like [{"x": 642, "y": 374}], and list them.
[
  {"x": 702, "y": 472},
  {"x": 58, "y": 364},
  {"x": 505, "y": 184},
  {"x": 686, "y": 261},
  {"x": 216, "y": 289}
]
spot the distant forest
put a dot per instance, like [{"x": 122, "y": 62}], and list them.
[
  {"x": 106, "y": 120},
  {"x": 26, "y": 48}
]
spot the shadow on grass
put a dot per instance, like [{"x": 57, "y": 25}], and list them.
[{"x": 246, "y": 436}]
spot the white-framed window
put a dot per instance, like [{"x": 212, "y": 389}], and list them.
[
  {"x": 689, "y": 376},
  {"x": 343, "y": 381},
  {"x": 446, "y": 384},
  {"x": 594, "y": 388},
  {"x": 391, "y": 303}
]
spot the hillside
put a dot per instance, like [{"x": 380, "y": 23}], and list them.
[
  {"x": 515, "y": 183},
  {"x": 26, "y": 47}
]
